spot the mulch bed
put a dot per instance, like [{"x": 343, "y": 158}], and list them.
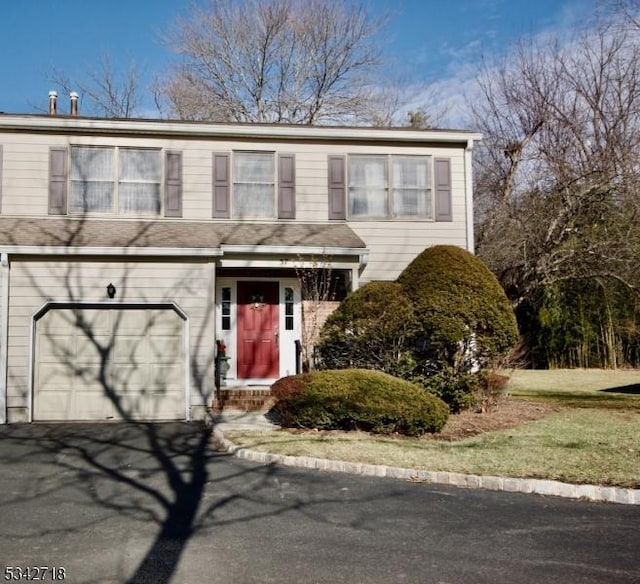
[{"x": 507, "y": 414}]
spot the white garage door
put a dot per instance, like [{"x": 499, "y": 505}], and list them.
[{"x": 109, "y": 364}]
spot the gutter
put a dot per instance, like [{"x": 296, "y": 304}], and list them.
[
  {"x": 293, "y": 250},
  {"x": 65, "y": 250},
  {"x": 300, "y": 250},
  {"x": 71, "y": 125}
]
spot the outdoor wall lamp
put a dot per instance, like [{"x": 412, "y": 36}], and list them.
[{"x": 111, "y": 290}]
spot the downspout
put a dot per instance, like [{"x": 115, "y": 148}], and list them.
[
  {"x": 4, "y": 334},
  {"x": 468, "y": 189},
  {"x": 357, "y": 272}
]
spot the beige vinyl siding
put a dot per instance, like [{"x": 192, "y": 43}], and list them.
[
  {"x": 26, "y": 169},
  {"x": 312, "y": 202},
  {"x": 25, "y": 176},
  {"x": 188, "y": 284},
  {"x": 196, "y": 187},
  {"x": 392, "y": 244}
]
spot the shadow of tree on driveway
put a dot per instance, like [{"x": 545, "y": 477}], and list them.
[{"x": 165, "y": 474}]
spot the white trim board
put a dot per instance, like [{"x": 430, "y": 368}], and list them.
[
  {"x": 110, "y": 251},
  {"x": 141, "y": 127}
]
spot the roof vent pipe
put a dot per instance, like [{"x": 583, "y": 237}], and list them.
[
  {"x": 73, "y": 106},
  {"x": 53, "y": 103}
]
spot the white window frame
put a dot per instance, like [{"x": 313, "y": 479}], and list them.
[
  {"x": 116, "y": 181},
  {"x": 360, "y": 186},
  {"x": 390, "y": 189},
  {"x": 272, "y": 182}
]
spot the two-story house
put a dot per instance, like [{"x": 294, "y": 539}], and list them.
[{"x": 133, "y": 250}]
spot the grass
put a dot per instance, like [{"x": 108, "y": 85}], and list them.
[
  {"x": 578, "y": 388},
  {"x": 593, "y": 438}
]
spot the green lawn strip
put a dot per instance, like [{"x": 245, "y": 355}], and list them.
[
  {"x": 579, "y": 388},
  {"x": 577, "y": 446}
]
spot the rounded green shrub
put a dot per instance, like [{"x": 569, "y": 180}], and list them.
[
  {"x": 369, "y": 330},
  {"x": 465, "y": 317},
  {"x": 459, "y": 391},
  {"x": 357, "y": 399}
]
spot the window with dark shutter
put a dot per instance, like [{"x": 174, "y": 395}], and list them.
[
  {"x": 221, "y": 207},
  {"x": 389, "y": 187},
  {"x": 336, "y": 187},
  {"x": 254, "y": 185},
  {"x": 173, "y": 185},
  {"x": 108, "y": 179},
  {"x": 58, "y": 181},
  {"x": 443, "y": 189},
  {"x": 286, "y": 186}
]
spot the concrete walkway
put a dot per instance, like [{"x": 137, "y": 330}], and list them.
[
  {"x": 239, "y": 420},
  {"x": 247, "y": 421}
]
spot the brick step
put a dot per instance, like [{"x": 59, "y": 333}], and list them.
[{"x": 248, "y": 399}]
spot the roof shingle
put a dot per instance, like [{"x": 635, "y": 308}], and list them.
[{"x": 70, "y": 232}]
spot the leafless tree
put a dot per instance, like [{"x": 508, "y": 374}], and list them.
[
  {"x": 106, "y": 92},
  {"x": 627, "y": 10},
  {"x": 317, "y": 287},
  {"x": 287, "y": 61},
  {"x": 559, "y": 170}
]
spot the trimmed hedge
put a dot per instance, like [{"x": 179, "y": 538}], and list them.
[
  {"x": 357, "y": 399},
  {"x": 369, "y": 330},
  {"x": 464, "y": 314}
]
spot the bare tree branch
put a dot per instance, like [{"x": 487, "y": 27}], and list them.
[
  {"x": 558, "y": 173},
  {"x": 286, "y": 61},
  {"x": 106, "y": 92}
]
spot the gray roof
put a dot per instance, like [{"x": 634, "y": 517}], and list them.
[{"x": 69, "y": 232}]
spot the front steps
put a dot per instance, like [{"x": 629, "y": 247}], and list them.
[{"x": 246, "y": 399}]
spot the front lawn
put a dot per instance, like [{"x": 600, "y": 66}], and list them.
[
  {"x": 580, "y": 388},
  {"x": 588, "y": 431}
]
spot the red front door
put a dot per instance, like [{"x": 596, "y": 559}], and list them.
[{"x": 258, "y": 355}]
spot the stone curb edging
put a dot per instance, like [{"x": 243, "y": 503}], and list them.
[{"x": 491, "y": 483}]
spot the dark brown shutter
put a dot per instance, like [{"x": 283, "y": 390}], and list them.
[
  {"x": 337, "y": 189},
  {"x": 0, "y": 178},
  {"x": 443, "y": 189},
  {"x": 58, "y": 181},
  {"x": 221, "y": 206},
  {"x": 286, "y": 186},
  {"x": 173, "y": 184}
]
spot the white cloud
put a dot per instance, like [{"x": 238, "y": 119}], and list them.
[{"x": 457, "y": 88}]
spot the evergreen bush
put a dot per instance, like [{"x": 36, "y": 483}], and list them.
[
  {"x": 444, "y": 320},
  {"x": 465, "y": 318},
  {"x": 370, "y": 330},
  {"x": 356, "y": 399}
]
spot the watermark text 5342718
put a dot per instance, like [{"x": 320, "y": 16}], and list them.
[{"x": 34, "y": 573}]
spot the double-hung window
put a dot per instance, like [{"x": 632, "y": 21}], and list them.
[
  {"x": 254, "y": 185},
  {"x": 139, "y": 181},
  {"x": 389, "y": 187},
  {"x": 411, "y": 193},
  {"x": 92, "y": 179},
  {"x": 115, "y": 180},
  {"x": 368, "y": 187}
]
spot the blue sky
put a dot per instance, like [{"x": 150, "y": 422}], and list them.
[{"x": 430, "y": 40}]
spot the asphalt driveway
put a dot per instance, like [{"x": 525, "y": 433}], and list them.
[{"x": 156, "y": 503}]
